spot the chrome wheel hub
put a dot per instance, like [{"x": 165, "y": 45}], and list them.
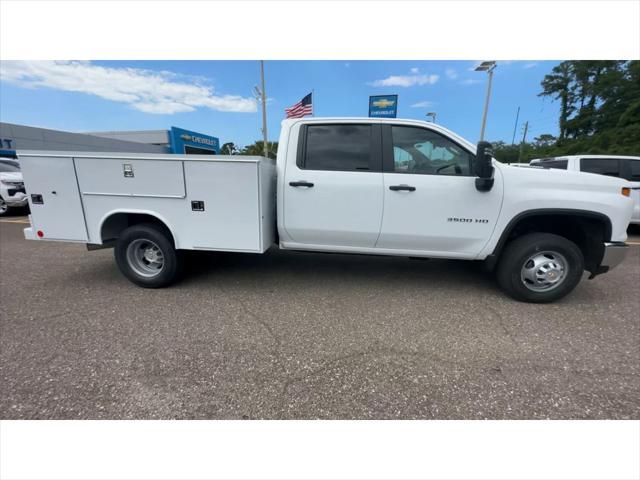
[
  {"x": 544, "y": 271},
  {"x": 151, "y": 255},
  {"x": 145, "y": 258},
  {"x": 3, "y": 206}
]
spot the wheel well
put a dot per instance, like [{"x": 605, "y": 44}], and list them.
[
  {"x": 115, "y": 224},
  {"x": 588, "y": 231}
]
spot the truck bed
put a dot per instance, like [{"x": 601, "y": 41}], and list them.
[{"x": 208, "y": 202}]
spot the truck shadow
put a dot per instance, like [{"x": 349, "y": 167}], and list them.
[{"x": 303, "y": 268}]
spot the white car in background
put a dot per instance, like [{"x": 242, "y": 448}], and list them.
[
  {"x": 627, "y": 168},
  {"x": 12, "y": 192}
]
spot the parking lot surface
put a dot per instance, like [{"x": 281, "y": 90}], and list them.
[{"x": 290, "y": 335}]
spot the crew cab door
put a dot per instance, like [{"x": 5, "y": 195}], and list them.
[
  {"x": 333, "y": 190},
  {"x": 431, "y": 204}
]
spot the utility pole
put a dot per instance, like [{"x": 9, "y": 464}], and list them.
[
  {"x": 432, "y": 115},
  {"x": 264, "y": 111},
  {"x": 524, "y": 137},
  {"x": 515, "y": 126}
]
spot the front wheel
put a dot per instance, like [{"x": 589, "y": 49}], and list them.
[
  {"x": 145, "y": 255},
  {"x": 540, "y": 267}
]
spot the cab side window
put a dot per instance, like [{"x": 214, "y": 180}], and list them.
[
  {"x": 345, "y": 147},
  {"x": 421, "y": 151},
  {"x": 602, "y": 166},
  {"x": 559, "y": 164},
  {"x": 634, "y": 170}
]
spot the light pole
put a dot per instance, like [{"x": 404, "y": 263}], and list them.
[
  {"x": 488, "y": 67},
  {"x": 261, "y": 96},
  {"x": 432, "y": 115}
]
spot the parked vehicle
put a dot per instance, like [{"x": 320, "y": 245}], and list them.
[
  {"x": 354, "y": 185},
  {"x": 12, "y": 192},
  {"x": 611, "y": 165}
]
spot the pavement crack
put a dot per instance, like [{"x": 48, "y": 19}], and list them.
[
  {"x": 501, "y": 323},
  {"x": 374, "y": 350},
  {"x": 263, "y": 324}
]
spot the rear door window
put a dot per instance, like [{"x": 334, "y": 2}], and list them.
[
  {"x": 634, "y": 170},
  {"x": 602, "y": 166},
  {"x": 560, "y": 164},
  {"x": 345, "y": 147}
]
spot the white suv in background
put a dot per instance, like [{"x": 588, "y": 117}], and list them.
[
  {"x": 627, "y": 168},
  {"x": 12, "y": 193}
]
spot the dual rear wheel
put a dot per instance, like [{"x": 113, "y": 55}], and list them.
[{"x": 145, "y": 254}]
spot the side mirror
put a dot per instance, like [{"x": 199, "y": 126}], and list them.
[{"x": 483, "y": 167}]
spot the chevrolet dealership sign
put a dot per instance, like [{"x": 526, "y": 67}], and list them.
[
  {"x": 383, "y": 106},
  {"x": 180, "y": 139}
]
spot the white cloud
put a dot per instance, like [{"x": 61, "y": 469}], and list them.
[
  {"x": 156, "y": 92},
  {"x": 530, "y": 65},
  {"x": 451, "y": 73},
  {"x": 415, "y": 70},
  {"x": 425, "y": 104},
  {"x": 405, "y": 81},
  {"x": 469, "y": 81}
]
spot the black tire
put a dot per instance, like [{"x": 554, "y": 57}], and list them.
[
  {"x": 515, "y": 256},
  {"x": 4, "y": 208},
  {"x": 155, "y": 238}
]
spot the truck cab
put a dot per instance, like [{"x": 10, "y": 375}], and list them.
[{"x": 373, "y": 186}]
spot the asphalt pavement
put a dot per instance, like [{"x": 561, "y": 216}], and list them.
[{"x": 291, "y": 335}]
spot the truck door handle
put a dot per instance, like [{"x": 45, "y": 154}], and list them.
[
  {"x": 301, "y": 183},
  {"x": 407, "y": 188}
]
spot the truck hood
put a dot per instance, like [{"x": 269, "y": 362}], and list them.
[
  {"x": 11, "y": 176},
  {"x": 566, "y": 178}
]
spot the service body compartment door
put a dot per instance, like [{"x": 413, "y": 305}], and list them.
[
  {"x": 223, "y": 209},
  {"x": 57, "y": 209},
  {"x": 131, "y": 177}
]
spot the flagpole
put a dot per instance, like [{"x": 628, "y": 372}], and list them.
[
  {"x": 265, "y": 142},
  {"x": 313, "y": 103}
]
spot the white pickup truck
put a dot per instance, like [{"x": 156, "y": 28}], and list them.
[{"x": 350, "y": 185}]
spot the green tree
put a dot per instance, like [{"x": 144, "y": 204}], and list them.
[
  {"x": 596, "y": 87},
  {"x": 544, "y": 140},
  {"x": 557, "y": 85},
  {"x": 599, "y": 109},
  {"x": 257, "y": 148},
  {"x": 229, "y": 148}
]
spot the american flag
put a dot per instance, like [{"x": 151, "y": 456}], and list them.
[{"x": 300, "y": 109}]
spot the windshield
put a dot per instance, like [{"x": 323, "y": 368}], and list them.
[{"x": 8, "y": 167}]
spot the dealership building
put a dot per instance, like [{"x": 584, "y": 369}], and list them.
[{"x": 175, "y": 140}]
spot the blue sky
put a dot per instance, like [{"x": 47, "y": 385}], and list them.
[{"x": 214, "y": 97}]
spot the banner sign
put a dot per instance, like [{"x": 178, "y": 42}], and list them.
[{"x": 383, "y": 106}]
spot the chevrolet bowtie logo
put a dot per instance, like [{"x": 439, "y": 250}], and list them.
[
  {"x": 185, "y": 136},
  {"x": 383, "y": 103}
]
